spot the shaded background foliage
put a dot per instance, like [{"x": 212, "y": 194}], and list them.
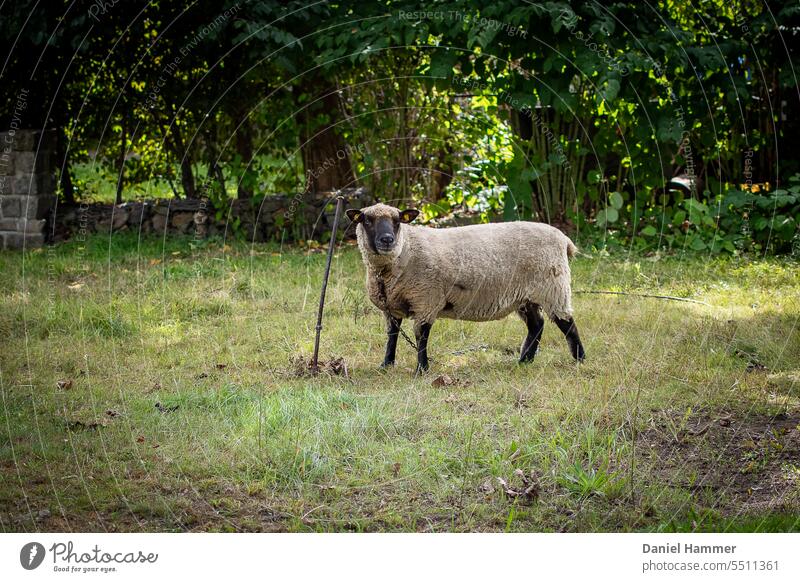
[{"x": 581, "y": 114}]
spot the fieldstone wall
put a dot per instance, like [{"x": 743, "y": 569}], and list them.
[
  {"x": 30, "y": 216},
  {"x": 277, "y": 217},
  {"x": 27, "y": 186}
]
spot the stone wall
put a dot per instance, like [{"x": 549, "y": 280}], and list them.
[
  {"x": 278, "y": 217},
  {"x": 27, "y": 187},
  {"x": 29, "y": 215}
]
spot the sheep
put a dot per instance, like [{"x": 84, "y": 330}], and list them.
[{"x": 481, "y": 272}]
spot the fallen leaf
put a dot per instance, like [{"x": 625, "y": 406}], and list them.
[
  {"x": 396, "y": 469},
  {"x": 64, "y": 384},
  {"x": 112, "y": 413},
  {"x": 140, "y": 439},
  {"x": 443, "y": 380},
  {"x": 75, "y": 286},
  {"x": 166, "y": 409},
  {"x": 221, "y": 366},
  {"x": 529, "y": 490},
  {"x": 334, "y": 367}
]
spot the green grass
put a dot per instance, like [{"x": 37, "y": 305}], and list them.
[{"x": 184, "y": 411}]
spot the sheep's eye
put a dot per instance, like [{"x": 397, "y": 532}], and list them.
[{"x": 367, "y": 220}]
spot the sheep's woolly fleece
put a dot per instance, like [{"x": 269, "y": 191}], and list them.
[{"x": 476, "y": 273}]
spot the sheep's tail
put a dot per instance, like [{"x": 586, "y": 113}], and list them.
[{"x": 572, "y": 250}]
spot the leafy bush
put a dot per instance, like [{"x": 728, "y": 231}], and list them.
[{"x": 738, "y": 221}]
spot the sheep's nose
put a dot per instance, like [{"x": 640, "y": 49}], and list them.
[{"x": 386, "y": 239}]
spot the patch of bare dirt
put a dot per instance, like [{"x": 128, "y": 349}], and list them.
[{"x": 749, "y": 462}]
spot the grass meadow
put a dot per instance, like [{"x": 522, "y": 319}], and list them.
[{"x": 153, "y": 385}]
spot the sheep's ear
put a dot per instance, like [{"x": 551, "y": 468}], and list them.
[
  {"x": 355, "y": 215},
  {"x": 409, "y": 215}
]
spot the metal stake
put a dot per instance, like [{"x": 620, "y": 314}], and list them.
[{"x": 315, "y": 359}]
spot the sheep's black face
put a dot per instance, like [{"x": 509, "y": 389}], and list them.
[
  {"x": 382, "y": 233},
  {"x": 381, "y": 225}
]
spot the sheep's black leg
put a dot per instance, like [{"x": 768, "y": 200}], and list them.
[
  {"x": 423, "y": 330},
  {"x": 531, "y": 313},
  {"x": 393, "y": 330},
  {"x": 570, "y": 331}
]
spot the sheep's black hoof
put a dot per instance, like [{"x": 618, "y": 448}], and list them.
[
  {"x": 570, "y": 331},
  {"x": 578, "y": 353},
  {"x": 527, "y": 356},
  {"x": 386, "y": 366},
  {"x": 421, "y": 370}
]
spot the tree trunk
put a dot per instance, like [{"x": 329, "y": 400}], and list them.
[
  {"x": 444, "y": 171},
  {"x": 123, "y": 149},
  {"x": 326, "y": 159},
  {"x": 404, "y": 141},
  {"x": 244, "y": 147},
  {"x": 187, "y": 172},
  {"x": 187, "y": 177},
  {"x": 64, "y": 176},
  {"x": 214, "y": 173},
  {"x": 174, "y": 140}
]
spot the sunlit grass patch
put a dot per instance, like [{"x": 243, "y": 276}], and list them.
[{"x": 183, "y": 409}]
